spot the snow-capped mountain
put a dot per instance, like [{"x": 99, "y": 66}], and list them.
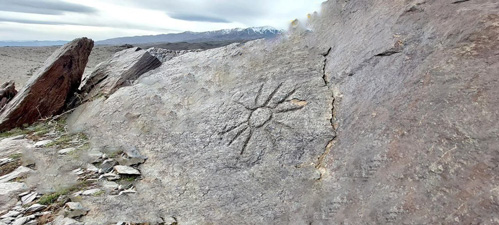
[{"x": 193, "y": 37}]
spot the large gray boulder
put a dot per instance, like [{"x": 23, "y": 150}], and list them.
[
  {"x": 373, "y": 112},
  {"x": 122, "y": 69},
  {"x": 47, "y": 92}
]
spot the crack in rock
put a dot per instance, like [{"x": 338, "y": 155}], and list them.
[{"x": 321, "y": 164}]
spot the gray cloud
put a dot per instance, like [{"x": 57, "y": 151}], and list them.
[
  {"x": 199, "y": 18},
  {"x": 28, "y": 21},
  {"x": 217, "y": 11},
  {"x": 46, "y": 7},
  {"x": 93, "y": 24}
]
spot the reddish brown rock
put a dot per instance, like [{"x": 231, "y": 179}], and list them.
[
  {"x": 7, "y": 92},
  {"x": 47, "y": 92}
]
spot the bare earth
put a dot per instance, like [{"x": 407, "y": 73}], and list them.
[{"x": 20, "y": 63}]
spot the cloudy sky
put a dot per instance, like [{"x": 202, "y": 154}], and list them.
[{"x": 102, "y": 19}]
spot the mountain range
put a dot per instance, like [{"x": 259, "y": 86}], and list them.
[
  {"x": 196, "y": 37},
  {"x": 236, "y": 34}
]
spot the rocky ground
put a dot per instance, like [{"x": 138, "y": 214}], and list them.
[
  {"x": 20, "y": 63},
  {"x": 370, "y": 112},
  {"x": 45, "y": 172}
]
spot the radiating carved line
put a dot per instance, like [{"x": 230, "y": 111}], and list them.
[
  {"x": 271, "y": 137},
  {"x": 246, "y": 107},
  {"x": 237, "y": 135},
  {"x": 283, "y": 124},
  {"x": 285, "y": 97},
  {"x": 259, "y": 94},
  {"x": 232, "y": 128},
  {"x": 295, "y": 108},
  {"x": 272, "y": 95},
  {"x": 246, "y": 142}
]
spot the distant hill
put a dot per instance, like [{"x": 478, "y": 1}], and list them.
[
  {"x": 31, "y": 43},
  {"x": 198, "y": 37},
  {"x": 210, "y": 39},
  {"x": 189, "y": 45}
]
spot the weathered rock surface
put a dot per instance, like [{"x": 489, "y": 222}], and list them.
[
  {"x": 75, "y": 209},
  {"x": 166, "y": 54},
  {"x": 8, "y": 194},
  {"x": 19, "y": 172},
  {"x": 7, "y": 92},
  {"x": 122, "y": 69},
  {"x": 382, "y": 112},
  {"x": 126, "y": 170},
  {"x": 47, "y": 92},
  {"x": 61, "y": 220}
]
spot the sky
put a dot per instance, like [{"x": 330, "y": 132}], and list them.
[{"x": 22, "y": 20}]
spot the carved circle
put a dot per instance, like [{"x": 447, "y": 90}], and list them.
[{"x": 260, "y": 116}]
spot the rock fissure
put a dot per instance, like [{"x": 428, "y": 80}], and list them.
[
  {"x": 388, "y": 53},
  {"x": 321, "y": 160},
  {"x": 324, "y": 76},
  {"x": 459, "y": 1}
]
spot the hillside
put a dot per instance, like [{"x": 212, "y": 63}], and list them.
[{"x": 198, "y": 37}]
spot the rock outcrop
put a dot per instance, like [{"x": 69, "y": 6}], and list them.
[
  {"x": 166, "y": 54},
  {"x": 122, "y": 69},
  {"x": 372, "y": 112},
  {"x": 47, "y": 92},
  {"x": 7, "y": 92}
]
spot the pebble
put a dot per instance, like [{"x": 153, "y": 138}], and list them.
[
  {"x": 23, "y": 220},
  {"x": 19, "y": 172},
  {"x": 29, "y": 198},
  {"x": 108, "y": 165},
  {"x": 4, "y": 161},
  {"x": 66, "y": 151},
  {"x": 42, "y": 144},
  {"x": 75, "y": 209},
  {"x": 32, "y": 222},
  {"x": 61, "y": 220},
  {"x": 95, "y": 156},
  {"x": 35, "y": 208},
  {"x": 9, "y": 188},
  {"x": 110, "y": 176},
  {"x": 170, "y": 220},
  {"x": 126, "y": 170},
  {"x": 109, "y": 185},
  {"x": 128, "y": 191},
  {"x": 91, "y": 192},
  {"x": 131, "y": 156},
  {"x": 24, "y": 193},
  {"x": 92, "y": 168},
  {"x": 78, "y": 171},
  {"x": 10, "y": 214}
]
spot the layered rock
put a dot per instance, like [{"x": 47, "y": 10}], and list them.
[
  {"x": 7, "y": 92},
  {"x": 122, "y": 69},
  {"x": 47, "y": 92},
  {"x": 378, "y": 112},
  {"x": 166, "y": 54}
]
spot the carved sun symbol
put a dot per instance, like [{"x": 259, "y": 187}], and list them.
[{"x": 261, "y": 112}]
